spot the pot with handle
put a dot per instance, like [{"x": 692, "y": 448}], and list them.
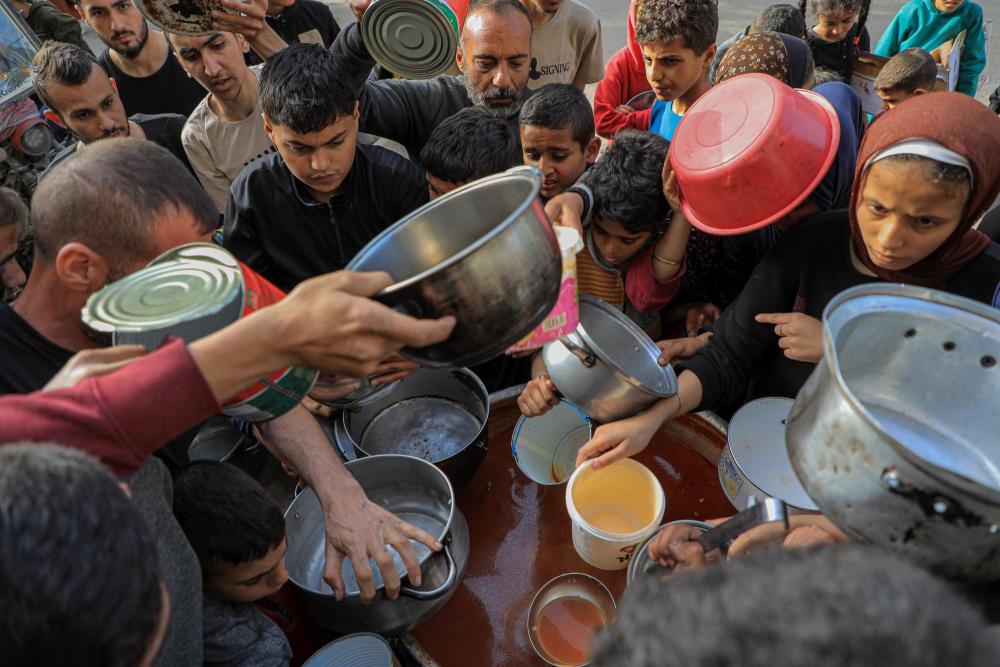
[
  {"x": 889, "y": 435},
  {"x": 417, "y": 492},
  {"x": 485, "y": 253},
  {"x": 608, "y": 365}
]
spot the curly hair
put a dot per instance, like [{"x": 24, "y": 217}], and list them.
[
  {"x": 697, "y": 21},
  {"x": 627, "y": 182}
]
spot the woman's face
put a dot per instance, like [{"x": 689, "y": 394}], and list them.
[{"x": 904, "y": 216}]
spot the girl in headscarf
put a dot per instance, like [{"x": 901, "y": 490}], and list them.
[
  {"x": 784, "y": 57},
  {"x": 926, "y": 173}
]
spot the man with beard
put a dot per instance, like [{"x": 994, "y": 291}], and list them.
[
  {"x": 80, "y": 97},
  {"x": 149, "y": 78},
  {"x": 494, "y": 56}
]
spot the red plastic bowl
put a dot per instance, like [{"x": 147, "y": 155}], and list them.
[{"x": 749, "y": 151}]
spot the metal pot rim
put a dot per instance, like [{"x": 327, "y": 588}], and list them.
[
  {"x": 531, "y": 175},
  {"x": 442, "y": 538},
  {"x": 831, "y": 359},
  {"x": 345, "y": 415},
  {"x": 602, "y": 357}
]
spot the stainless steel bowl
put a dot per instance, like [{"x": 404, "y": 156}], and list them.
[
  {"x": 484, "y": 253},
  {"x": 642, "y": 563},
  {"x": 571, "y": 585}
]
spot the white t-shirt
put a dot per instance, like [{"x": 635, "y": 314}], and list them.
[
  {"x": 218, "y": 150},
  {"x": 568, "y": 48}
]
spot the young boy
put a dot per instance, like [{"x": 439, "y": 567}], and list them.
[
  {"x": 309, "y": 208},
  {"x": 238, "y": 533},
  {"x": 678, "y": 44},
  {"x": 557, "y": 136},
  {"x": 909, "y": 73},
  {"x": 929, "y": 24},
  {"x": 467, "y": 146},
  {"x": 633, "y": 259}
]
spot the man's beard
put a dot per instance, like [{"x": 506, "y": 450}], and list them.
[
  {"x": 130, "y": 52},
  {"x": 482, "y": 98}
]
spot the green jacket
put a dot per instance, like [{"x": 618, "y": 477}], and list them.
[{"x": 49, "y": 22}]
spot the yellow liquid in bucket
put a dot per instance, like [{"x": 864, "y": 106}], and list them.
[{"x": 619, "y": 499}]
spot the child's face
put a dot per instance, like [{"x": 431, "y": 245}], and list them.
[
  {"x": 903, "y": 216},
  {"x": 672, "y": 68},
  {"x": 558, "y": 155},
  {"x": 893, "y": 97},
  {"x": 319, "y": 160},
  {"x": 834, "y": 26},
  {"x": 438, "y": 186},
  {"x": 250, "y": 581},
  {"x": 947, "y": 5},
  {"x": 616, "y": 244}
]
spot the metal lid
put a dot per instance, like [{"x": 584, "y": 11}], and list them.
[
  {"x": 363, "y": 649},
  {"x": 415, "y": 39},
  {"x": 176, "y": 294},
  {"x": 757, "y": 445},
  {"x": 619, "y": 342},
  {"x": 184, "y": 17}
]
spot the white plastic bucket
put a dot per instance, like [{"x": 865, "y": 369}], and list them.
[
  {"x": 545, "y": 447},
  {"x": 613, "y": 510}
]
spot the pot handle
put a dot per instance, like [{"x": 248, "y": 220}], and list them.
[
  {"x": 575, "y": 344},
  {"x": 440, "y": 590}
]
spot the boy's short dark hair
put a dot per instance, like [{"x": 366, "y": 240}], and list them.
[
  {"x": 61, "y": 63},
  {"x": 697, "y": 21},
  {"x": 80, "y": 582},
  {"x": 226, "y": 515},
  {"x": 302, "y": 88},
  {"x": 627, "y": 182},
  {"x": 13, "y": 210},
  {"x": 907, "y": 71},
  {"x": 469, "y": 145},
  {"x": 780, "y": 18},
  {"x": 835, "y": 605},
  {"x": 560, "y": 106}
]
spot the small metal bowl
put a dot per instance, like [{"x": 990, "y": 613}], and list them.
[
  {"x": 642, "y": 563},
  {"x": 570, "y": 585}
]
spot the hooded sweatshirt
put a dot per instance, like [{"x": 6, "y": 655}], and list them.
[
  {"x": 624, "y": 78},
  {"x": 919, "y": 24}
]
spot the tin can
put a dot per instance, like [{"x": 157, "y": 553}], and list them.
[
  {"x": 415, "y": 39},
  {"x": 190, "y": 292}
]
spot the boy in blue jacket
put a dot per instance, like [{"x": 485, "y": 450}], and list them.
[{"x": 927, "y": 24}]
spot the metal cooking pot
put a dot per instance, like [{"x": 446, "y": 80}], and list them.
[
  {"x": 417, "y": 492},
  {"x": 484, "y": 253},
  {"x": 607, "y": 366},
  {"x": 894, "y": 435},
  {"x": 754, "y": 464},
  {"x": 435, "y": 414}
]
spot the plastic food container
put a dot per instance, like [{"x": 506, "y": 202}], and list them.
[
  {"x": 750, "y": 151},
  {"x": 545, "y": 447},
  {"x": 613, "y": 510}
]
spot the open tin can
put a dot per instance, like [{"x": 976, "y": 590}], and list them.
[
  {"x": 189, "y": 292},
  {"x": 416, "y": 39}
]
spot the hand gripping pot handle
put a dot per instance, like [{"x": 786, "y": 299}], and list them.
[
  {"x": 440, "y": 590},
  {"x": 575, "y": 344}
]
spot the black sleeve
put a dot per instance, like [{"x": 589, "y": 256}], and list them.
[
  {"x": 239, "y": 230},
  {"x": 352, "y": 55},
  {"x": 726, "y": 365},
  {"x": 411, "y": 191}
]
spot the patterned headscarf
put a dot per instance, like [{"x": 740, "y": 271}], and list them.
[{"x": 784, "y": 57}]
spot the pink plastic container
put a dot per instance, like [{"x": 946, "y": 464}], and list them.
[{"x": 749, "y": 151}]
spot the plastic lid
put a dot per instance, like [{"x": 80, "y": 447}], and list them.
[
  {"x": 415, "y": 39},
  {"x": 757, "y": 445}
]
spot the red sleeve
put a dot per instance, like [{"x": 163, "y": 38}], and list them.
[
  {"x": 121, "y": 418},
  {"x": 614, "y": 89},
  {"x": 644, "y": 291}
]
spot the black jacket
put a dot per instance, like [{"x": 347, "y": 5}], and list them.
[
  {"x": 298, "y": 23},
  {"x": 275, "y": 226},
  {"x": 406, "y": 111}
]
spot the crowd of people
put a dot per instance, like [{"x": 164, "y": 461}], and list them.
[{"x": 279, "y": 137}]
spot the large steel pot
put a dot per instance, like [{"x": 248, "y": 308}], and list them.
[
  {"x": 417, "y": 492},
  {"x": 484, "y": 253},
  {"x": 894, "y": 435},
  {"x": 436, "y": 414},
  {"x": 607, "y": 366}
]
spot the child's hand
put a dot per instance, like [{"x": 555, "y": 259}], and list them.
[
  {"x": 681, "y": 348},
  {"x": 624, "y": 109},
  {"x": 800, "y": 336},
  {"x": 703, "y": 315},
  {"x": 674, "y": 547},
  {"x": 539, "y": 396},
  {"x": 566, "y": 210},
  {"x": 619, "y": 440},
  {"x": 806, "y": 537},
  {"x": 671, "y": 190}
]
